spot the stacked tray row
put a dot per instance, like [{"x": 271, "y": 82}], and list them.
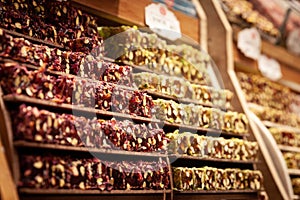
[
  {"x": 63, "y": 172},
  {"x": 209, "y": 178}
]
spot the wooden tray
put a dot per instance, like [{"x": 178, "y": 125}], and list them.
[
  {"x": 220, "y": 46},
  {"x": 121, "y": 11}
]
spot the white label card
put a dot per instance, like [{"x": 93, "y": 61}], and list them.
[
  {"x": 162, "y": 21},
  {"x": 249, "y": 42},
  {"x": 269, "y": 67}
]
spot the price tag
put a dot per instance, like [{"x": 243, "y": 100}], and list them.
[
  {"x": 162, "y": 21},
  {"x": 269, "y": 67},
  {"x": 293, "y": 42},
  {"x": 249, "y": 42}
]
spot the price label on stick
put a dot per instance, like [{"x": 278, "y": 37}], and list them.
[
  {"x": 162, "y": 21},
  {"x": 269, "y": 67},
  {"x": 249, "y": 42}
]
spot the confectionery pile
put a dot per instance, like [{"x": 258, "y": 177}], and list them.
[
  {"x": 296, "y": 185},
  {"x": 148, "y": 50},
  {"x": 264, "y": 92},
  {"x": 71, "y": 85},
  {"x": 273, "y": 100},
  {"x": 285, "y": 136},
  {"x": 181, "y": 88},
  {"x": 52, "y": 21},
  {"x": 276, "y": 106},
  {"x": 197, "y": 115},
  {"x": 292, "y": 159},
  {"x": 32, "y": 124},
  {"x": 244, "y": 13},
  {"x": 92, "y": 173},
  {"x": 209, "y": 178},
  {"x": 187, "y": 143}
]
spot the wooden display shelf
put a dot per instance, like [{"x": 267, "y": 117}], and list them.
[
  {"x": 69, "y": 107},
  {"x": 295, "y": 87},
  {"x": 221, "y": 49},
  {"x": 281, "y": 54},
  {"x": 180, "y": 99},
  {"x": 187, "y": 157},
  {"x": 8, "y": 189},
  {"x": 89, "y": 192},
  {"x": 294, "y": 172},
  {"x": 125, "y": 12},
  {"x": 143, "y": 68},
  {"x": 277, "y": 52},
  {"x": 58, "y": 73},
  {"x": 272, "y": 124},
  {"x": 277, "y": 162},
  {"x": 255, "y": 106},
  {"x": 296, "y": 196},
  {"x": 25, "y": 144},
  {"x": 215, "y": 191},
  {"x": 280, "y": 126},
  {"x": 269, "y": 123},
  {"x": 33, "y": 67},
  {"x": 34, "y": 40},
  {"x": 289, "y": 63},
  {"x": 289, "y": 148},
  {"x": 149, "y": 91},
  {"x": 209, "y": 131}
]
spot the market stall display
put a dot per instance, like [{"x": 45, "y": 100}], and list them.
[{"x": 64, "y": 99}]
